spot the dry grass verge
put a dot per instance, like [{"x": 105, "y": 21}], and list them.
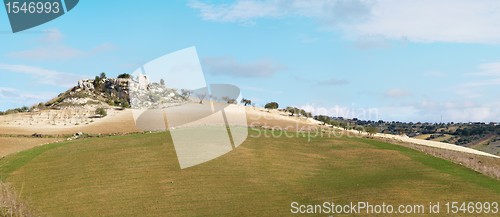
[
  {"x": 10, "y": 204},
  {"x": 482, "y": 164}
]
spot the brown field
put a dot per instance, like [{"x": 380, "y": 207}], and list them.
[
  {"x": 115, "y": 122},
  {"x": 123, "y": 122},
  {"x": 439, "y": 139},
  {"x": 9, "y": 145}
]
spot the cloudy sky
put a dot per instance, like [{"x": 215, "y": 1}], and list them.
[{"x": 407, "y": 60}]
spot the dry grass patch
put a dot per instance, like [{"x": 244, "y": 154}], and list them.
[
  {"x": 9, "y": 145},
  {"x": 11, "y": 204}
]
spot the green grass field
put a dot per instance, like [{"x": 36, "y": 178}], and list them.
[{"x": 138, "y": 175}]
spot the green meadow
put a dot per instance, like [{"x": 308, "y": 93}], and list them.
[{"x": 139, "y": 175}]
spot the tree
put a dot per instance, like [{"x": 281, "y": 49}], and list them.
[
  {"x": 292, "y": 110},
  {"x": 359, "y": 128},
  {"x": 371, "y": 130},
  {"x": 228, "y": 100},
  {"x": 201, "y": 96},
  {"x": 102, "y": 76},
  {"x": 246, "y": 101},
  {"x": 124, "y": 75},
  {"x": 305, "y": 114},
  {"x": 101, "y": 112},
  {"x": 124, "y": 104},
  {"x": 186, "y": 93},
  {"x": 343, "y": 125},
  {"x": 97, "y": 80},
  {"x": 401, "y": 131},
  {"x": 323, "y": 118},
  {"x": 271, "y": 105},
  {"x": 162, "y": 82}
]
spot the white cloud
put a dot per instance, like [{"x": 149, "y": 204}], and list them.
[
  {"x": 12, "y": 98},
  {"x": 333, "y": 82},
  {"x": 247, "y": 11},
  {"x": 8, "y": 93},
  {"x": 306, "y": 39},
  {"x": 434, "y": 74},
  {"x": 461, "y": 21},
  {"x": 487, "y": 76},
  {"x": 396, "y": 93},
  {"x": 55, "y": 52},
  {"x": 241, "y": 11},
  {"x": 11, "y": 93},
  {"x": 459, "y": 111},
  {"x": 424, "y": 111},
  {"x": 52, "y": 35},
  {"x": 434, "y": 21},
  {"x": 482, "y": 83},
  {"x": 343, "y": 111},
  {"x": 260, "y": 89},
  {"x": 44, "y": 76},
  {"x": 323, "y": 82},
  {"x": 53, "y": 48},
  {"x": 229, "y": 66},
  {"x": 105, "y": 47},
  {"x": 491, "y": 69}
]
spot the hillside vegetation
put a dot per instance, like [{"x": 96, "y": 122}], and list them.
[{"x": 478, "y": 135}]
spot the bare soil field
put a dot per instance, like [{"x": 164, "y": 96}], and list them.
[
  {"x": 58, "y": 122},
  {"x": 117, "y": 121},
  {"x": 9, "y": 145}
]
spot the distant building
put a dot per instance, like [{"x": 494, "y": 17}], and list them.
[{"x": 143, "y": 81}]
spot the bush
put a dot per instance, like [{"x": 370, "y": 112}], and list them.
[
  {"x": 110, "y": 102},
  {"x": 124, "y": 75},
  {"x": 101, "y": 112},
  {"x": 271, "y": 105},
  {"x": 124, "y": 104},
  {"x": 246, "y": 101},
  {"x": 371, "y": 130}
]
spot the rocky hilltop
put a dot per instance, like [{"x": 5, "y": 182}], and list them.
[
  {"x": 92, "y": 99},
  {"x": 102, "y": 91},
  {"x": 125, "y": 91}
]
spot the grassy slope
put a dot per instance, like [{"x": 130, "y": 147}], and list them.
[{"x": 138, "y": 175}]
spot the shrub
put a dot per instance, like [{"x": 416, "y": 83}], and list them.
[
  {"x": 124, "y": 75},
  {"x": 124, "y": 104},
  {"x": 101, "y": 112},
  {"x": 271, "y": 105},
  {"x": 246, "y": 101},
  {"x": 110, "y": 102},
  {"x": 371, "y": 130}
]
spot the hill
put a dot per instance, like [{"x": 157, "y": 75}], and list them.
[
  {"x": 138, "y": 175},
  {"x": 477, "y": 135}
]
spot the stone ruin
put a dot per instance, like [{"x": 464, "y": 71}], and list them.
[{"x": 151, "y": 95}]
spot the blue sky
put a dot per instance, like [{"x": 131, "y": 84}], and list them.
[{"x": 421, "y": 60}]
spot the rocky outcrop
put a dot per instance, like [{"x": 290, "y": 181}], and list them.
[
  {"x": 137, "y": 93},
  {"x": 144, "y": 94},
  {"x": 109, "y": 85}
]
